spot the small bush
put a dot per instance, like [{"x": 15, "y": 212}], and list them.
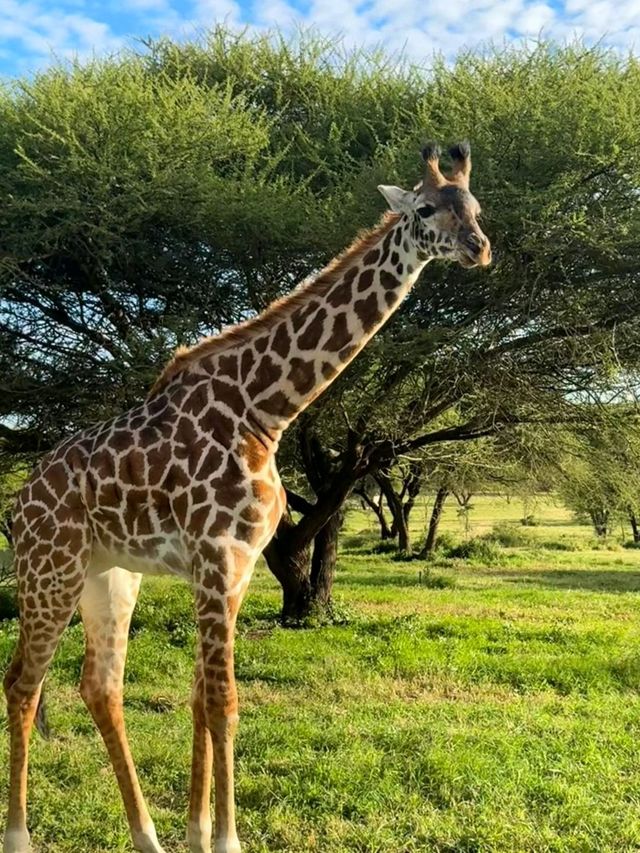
[
  {"x": 529, "y": 521},
  {"x": 509, "y": 536},
  {"x": 8, "y": 603},
  {"x": 7, "y": 575},
  {"x": 446, "y": 542},
  {"x": 559, "y": 545},
  {"x": 384, "y": 546},
  {"x": 431, "y": 581},
  {"x": 478, "y": 549},
  {"x": 169, "y": 609},
  {"x": 403, "y": 556}
]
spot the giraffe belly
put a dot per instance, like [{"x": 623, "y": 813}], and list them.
[{"x": 157, "y": 558}]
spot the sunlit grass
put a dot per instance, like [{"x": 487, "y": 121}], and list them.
[{"x": 458, "y": 706}]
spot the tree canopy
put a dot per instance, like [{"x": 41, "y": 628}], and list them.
[{"x": 157, "y": 196}]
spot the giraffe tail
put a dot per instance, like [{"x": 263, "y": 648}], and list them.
[{"x": 42, "y": 720}]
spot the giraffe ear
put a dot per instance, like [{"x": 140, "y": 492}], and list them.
[{"x": 399, "y": 200}]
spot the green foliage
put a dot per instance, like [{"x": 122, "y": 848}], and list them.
[
  {"x": 509, "y": 536},
  {"x": 477, "y": 549},
  {"x": 597, "y": 480},
  {"x": 435, "y": 581},
  {"x": 10, "y": 483},
  {"x": 446, "y": 541},
  {"x": 149, "y": 199},
  {"x": 169, "y": 611},
  {"x": 8, "y": 601},
  {"x": 557, "y": 184}
]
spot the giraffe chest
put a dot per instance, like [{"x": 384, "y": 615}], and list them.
[{"x": 150, "y": 511}]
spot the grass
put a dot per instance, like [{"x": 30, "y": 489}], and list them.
[{"x": 462, "y": 706}]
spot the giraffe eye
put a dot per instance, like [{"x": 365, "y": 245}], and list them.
[{"x": 427, "y": 210}]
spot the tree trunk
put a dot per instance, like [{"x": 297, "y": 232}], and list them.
[
  {"x": 400, "y": 527},
  {"x": 290, "y": 564},
  {"x": 464, "y": 498},
  {"x": 634, "y": 525},
  {"x": 385, "y": 530},
  {"x": 434, "y": 522},
  {"x": 323, "y": 562},
  {"x": 600, "y": 521},
  {"x": 404, "y": 537},
  {"x": 412, "y": 486},
  {"x": 377, "y": 509},
  {"x": 5, "y": 527},
  {"x": 305, "y": 572}
]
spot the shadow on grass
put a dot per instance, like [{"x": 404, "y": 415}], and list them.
[
  {"x": 359, "y": 543},
  {"x": 601, "y": 581},
  {"x": 414, "y": 579}
]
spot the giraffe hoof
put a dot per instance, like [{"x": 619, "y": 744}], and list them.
[
  {"x": 227, "y": 845},
  {"x": 199, "y": 837},
  {"x": 16, "y": 841},
  {"x": 147, "y": 842}
]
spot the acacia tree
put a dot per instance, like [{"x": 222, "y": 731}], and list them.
[
  {"x": 522, "y": 459},
  {"x": 150, "y": 199},
  {"x": 372, "y": 497},
  {"x": 555, "y": 322},
  {"x": 401, "y": 486},
  {"x": 597, "y": 472},
  {"x": 108, "y": 225}
]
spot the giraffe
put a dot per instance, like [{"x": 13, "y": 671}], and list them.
[{"x": 186, "y": 483}]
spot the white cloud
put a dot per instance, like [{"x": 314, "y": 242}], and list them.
[
  {"x": 31, "y": 30},
  {"x": 209, "y": 12},
  {"x": 272, "y": 13},
  {"x": 147, "y": 5},
  {"x": 535, "y": 18},
  {"x": 34, "y": 32}
]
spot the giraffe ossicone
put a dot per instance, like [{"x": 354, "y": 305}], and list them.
[{"x": 186, "y": 483}]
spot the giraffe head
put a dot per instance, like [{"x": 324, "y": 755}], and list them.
[{"x": 443, "y": 212}]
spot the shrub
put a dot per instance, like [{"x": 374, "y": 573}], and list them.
[
  {"x": 509, "y": 536},
  {"x": 479, "y": 549},
  {"x": 559, "y": 545},
  {"x": 425, "y": 578},
  {"x": 446, "y": 542},
  {"x": 8, "y": 603}
]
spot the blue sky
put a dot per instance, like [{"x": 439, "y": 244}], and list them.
[{"x": 32, "y": 31}]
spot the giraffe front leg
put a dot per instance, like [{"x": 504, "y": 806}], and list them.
[
  {"x": 106, "y": 606},
  {"x": 219, "y": 592}
]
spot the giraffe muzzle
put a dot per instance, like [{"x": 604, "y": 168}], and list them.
[{"x": 477, "y": 249}]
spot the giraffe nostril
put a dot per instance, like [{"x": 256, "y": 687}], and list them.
[
  {"x": 478, "y": 247},
  {"x": 474, "y": 242}
]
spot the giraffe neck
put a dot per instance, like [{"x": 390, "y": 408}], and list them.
[
  {"x": 271, "y": 368},
  {"x": 306, "y": 350}
]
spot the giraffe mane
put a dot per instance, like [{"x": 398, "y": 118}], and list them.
[{"x": 281, "y": 308}]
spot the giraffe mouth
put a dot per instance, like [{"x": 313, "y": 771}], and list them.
[
  {"x": 465, "y": 260},
  {"x": 469, "y": 258}
]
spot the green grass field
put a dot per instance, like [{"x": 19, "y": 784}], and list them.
[{"x": 488, "y": 704}]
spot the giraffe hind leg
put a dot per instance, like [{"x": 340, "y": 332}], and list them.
[
  {"x": 49, "y": 588},
  {"x": 106, "y": 606}
]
